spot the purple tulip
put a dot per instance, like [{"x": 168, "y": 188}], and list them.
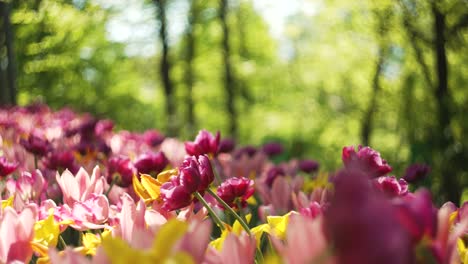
[
  {"x": 308, "y": 166},
  {"x": 36, "y": 145},
  {"x": 416, "y": 172},
  {"x": 153, "y": 138},
  {"x": 151, "y": 162},
  {"x": 273, "y": 149},
  {"x": 226, "y": 145},
  {"x": 120, "y": 170},
  {"x": 60, "y": 161}
]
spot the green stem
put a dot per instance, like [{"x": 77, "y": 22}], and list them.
[
  {"x": 64, "y": 245},
  {"x": 214, "y": 216},
  {"x": 239, "y": 206},
  {"x": 225, "y": 205},
  {"x": 35, "y": 162},
  {"x": 110, "y": 187}
]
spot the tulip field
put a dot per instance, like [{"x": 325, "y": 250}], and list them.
[{"x": 76, "y": 190}]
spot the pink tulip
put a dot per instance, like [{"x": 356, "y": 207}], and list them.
[
  {"x": 16, "y": 233},
  {"x": 80, "y": 187},
  {"x": 305, "y": 242},
  {"x": 235, "y": 250}
]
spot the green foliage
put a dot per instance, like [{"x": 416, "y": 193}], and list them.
[{"x": 310, "y": 89}]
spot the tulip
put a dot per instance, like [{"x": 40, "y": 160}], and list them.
[
  {"x": 151, "y": 162},
  {"x": 308, "y": 166},
  {"x": 205, "y": 143},
  {"x": 236, "y": 191},
  {"x": 120, "y": 170},
  {"x": 36, "y": 145},
  {"x": 416, "y": 172},
  {"x": 7, "y": 167},
  {"x": 366, "y": 160},
  {"x": 273, "y": 149}
]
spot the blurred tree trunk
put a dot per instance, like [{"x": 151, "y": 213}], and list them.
[
  {"x": 241, "y": 79},
  {"x": 441, "y": 92},
  {"x": 229, "y": 84},
  {"x": 8, "y": 74},
  {"x": 382, "y": 29},
  {"x": 189, "y": 71},
  {"x": 165, "y": 68}
]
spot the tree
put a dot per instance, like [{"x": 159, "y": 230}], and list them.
[
  {"x": 191, "y": 42},
  {"x": 229, "y": 81},
  {"x": 382, "y": 17},
  {"x": 8, "y": 73},
  {"x": 165, "y": 68}
]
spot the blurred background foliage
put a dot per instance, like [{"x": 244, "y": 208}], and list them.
[{"x": 389, "y": 74}]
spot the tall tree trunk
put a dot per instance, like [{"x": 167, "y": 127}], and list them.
[
  {"x": 190, "y": 72},
  {"x": 229, "y": 84},
  {"x": 368, "y": 119},
  {"x": 165, "y": 68},
  {"x": 8, "y": 79},
  {"x": 441, "y": 93},
  {"x": 367, "y": 125}
]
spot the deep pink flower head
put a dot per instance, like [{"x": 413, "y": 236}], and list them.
[
  {"x": 7, "y": 167},
  {"x": 174, "y": 195},
  {"x": 391, "y": 186},
  {"x": 273, "y": 149},
  {"x": 194, "y": 175},
  {"x": 308, "y": 166},
  {"x": 36, "y": 145},
  {"x": 363, "y": 225},
  {"x": 153, "y": 137},
  {"x": 151, "y": 162},
  {"x": 57, "y": 160},
  {"x": 235, "y": 190},
  {"x": 366, "y": 160},
  {"x": 122, "y": 169},
  {"x": 205, "y": 143},
  {"x": 416, "y": 172},
  {"x": 226, "y": 145}
]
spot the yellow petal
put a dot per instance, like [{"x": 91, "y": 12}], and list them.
[
  {"x": 8, "y": 202},
  {"x": 126, "y": 254},
  {"x": 258, "y": 232},
  {"x": 166, "y": 175},
  {"x": 151, "y": 186},
  {"x": 167, "y": 236},
  {"x": 139, "y": 189},
  {"x": 90, "y": 242},
  {"x": 278, "y": 224},
  {"x": 47, "y": 231}
]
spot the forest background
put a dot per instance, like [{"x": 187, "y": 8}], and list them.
[{"x": 313, "y": 75}]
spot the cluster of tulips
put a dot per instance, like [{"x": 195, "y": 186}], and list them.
[{"x": 73, "y": 190}]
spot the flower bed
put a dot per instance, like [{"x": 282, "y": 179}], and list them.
[{"x": 74, "y": 190}]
